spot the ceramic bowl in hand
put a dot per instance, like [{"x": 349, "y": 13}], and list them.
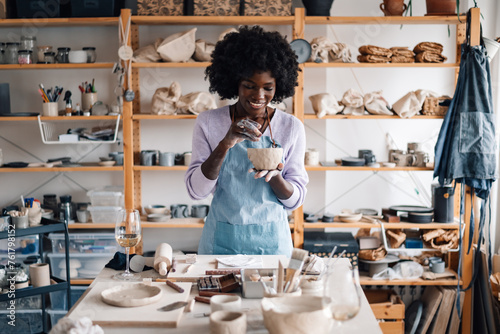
[
  {"x": 265, "y": 158},
  {"x": 155, "y": 209},
  {"x": 296, "y": 314}
]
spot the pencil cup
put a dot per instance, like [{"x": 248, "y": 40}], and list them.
[
  {"x": 50, "y": 109},
  {"x": 88, "y": 100},
  {"x": 39, "y": 274}
]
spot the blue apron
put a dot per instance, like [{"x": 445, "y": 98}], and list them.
[{"x": 245, "y": 217}]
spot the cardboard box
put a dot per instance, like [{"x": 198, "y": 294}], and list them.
[
  {"x": 160, "y": 7},
  {"x": 216, "y": 8},
  {"x": 268, "y": 8},
  {"x": 321, "y": 244}
]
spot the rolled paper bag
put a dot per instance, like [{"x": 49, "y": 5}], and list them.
[
  {"x": 34, "y": 216},
  {"x": 40, "y": 274},
  {"x": 163, "y": 258}
]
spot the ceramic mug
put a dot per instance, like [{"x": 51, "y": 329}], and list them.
[
  {"x": 415, "y": 147},
  {"x": 83, "y": 216},
  {"x": 404, "y": 160},
  {"x": 187, "y": 158},
  {"x": 20, "y": 221},
  {"x": 199, "y": 210},
  {"x": 394, "y": 152},
  {"x": 39, "y": 274},
  {"x": 167, "y": 158},
  {"x": 227, "y": 322},
  {"x": 118, "y": 157},
  {"x": 437, "y": 267},
  {"x": 179, "y": 210},
  {"x": 149, "y": 157},
  {"x": 422, "y": 158}
]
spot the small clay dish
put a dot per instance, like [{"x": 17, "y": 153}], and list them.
[
  {"x": 155, "y": 209},
  {"x": 107, "y": 163},
  {"x": 105, "y": 158},
  {"x": 265, "y": 158}
]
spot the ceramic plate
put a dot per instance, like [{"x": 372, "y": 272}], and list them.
[
  {"x": 131, "y": 295},
  {"x": 302, "y": 49},
  {"x": 411, "y": 208},
  {"x": 107, "y": 163},
  {"x": 352, "y": 161}
]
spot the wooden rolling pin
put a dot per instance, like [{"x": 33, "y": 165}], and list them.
[{"x": 163, "y": 258}]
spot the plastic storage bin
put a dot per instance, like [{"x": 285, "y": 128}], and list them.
[
  {"x": 94, "y": 8},
  {"x": 81, "y": 265},
  {"x": 105, "y": 197},
  {"x": 24, "y": 303},
  {"x": 84, "y": 243},
  {"x": 26, "y": 245},
  {"x": 55, "y": 316},
  {"x": 27, "y": 321},
  {"x": 59, "y": 299},
  {"x": 104, "y": 214},
  {"x": 38, "y": 8}
]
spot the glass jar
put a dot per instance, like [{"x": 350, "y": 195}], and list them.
[
  {"x": 29, "y": 43},
  {"x": 49, "y": 57},
  {"x": 41, "y": 53},
  {"x": 91, "y": 54},
  {"x": 25, "y": 57},
  {"x": 11, "y": 53},
  {"x": 63, "y": 55},
  {"x": 2, "y": 53}
]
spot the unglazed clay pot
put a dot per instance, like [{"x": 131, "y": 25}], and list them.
[
  {"x": 296, "y": 315},
  {"x": 265, "y": 158}
]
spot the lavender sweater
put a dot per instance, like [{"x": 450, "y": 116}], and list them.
[{"x": 211, "y": 127}]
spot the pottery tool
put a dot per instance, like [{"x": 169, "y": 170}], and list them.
[
  {"x": 186, "y": 269},
  {"x": 308, "y": 268},
  {"x": 163, "y": 258},
  {"x": 172, "y": 306},
  {"x": 281, "y": 275},
  {"x": 294, "y": 267},
  {"x": 329, "y": 259},
  {"x": 175, "y": 286},
  {"x": 205, "y": 300},
  {"x": 213, "y": 293},
  {"x": 173, "y": 268}
]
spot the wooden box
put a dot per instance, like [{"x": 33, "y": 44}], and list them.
[
  {"x": 388, "y": 307},
  {"x": 216, "y": 7},
  {"x": 160, "y": 7},
  {"x": 268, "y": 8}
]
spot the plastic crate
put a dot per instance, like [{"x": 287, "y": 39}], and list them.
[
  {"x": 82, "y": 266},
  {"x": 104, "y": 214},
  {"x": 38, "y": 8},
  {"x": 105, "y": 197},
  {"x": 59, "y": 299},
  {"x": 55, "y": 316},
  {"x": 27, "y": 321},
  {"x": 22, "y": 245},
  {"x": 24, "y": 303},
  {"x": 84, "y": 243},
  {"x": 94, "y": 8}
]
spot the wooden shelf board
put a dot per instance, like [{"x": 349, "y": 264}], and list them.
[
  {"x": 384, "y": 65},
  {"x": 161, "y": 168},
  {"x": 175, "y": 223},
  {"x": 402, "y": 225},
  {"x": 85, "y": 168},
  {"x": 197, "y": 64},
  {"x": 152, "y": 116},
  {"x": 56, "y": 66},
  {"x": 79, "y": 118},
  {"x": 366, "y": 20},
  {"x": 366, "y": 168},
  {"x": 17, "y": 119},
  {"x": 60, "y": 22},
  {"x": 81, "y": 281},
  {"x": 212, "y": 20},
  {"x": 366, "y": 280},
  {"x": 87, "y": 226},
  {"x": 367, "y": 116}
]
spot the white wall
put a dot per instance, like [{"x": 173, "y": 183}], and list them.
[{"x": 327, "y": 192}]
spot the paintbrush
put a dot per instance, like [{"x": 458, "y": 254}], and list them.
[
  {"x": 281, "y": 274},
  {"x": 294, "y": 267}
]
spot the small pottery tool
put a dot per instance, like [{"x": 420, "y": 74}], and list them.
[
  {"x": 281, "y": 275},
  {"x": 294, "y": 267},
  {"x": 202, "y": 299},
  {"x": 163, "y": 258},
  {"x": 173, "y": 306},
  {"x": 175, "y": 286}
]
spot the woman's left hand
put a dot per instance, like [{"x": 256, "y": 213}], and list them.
[{"x": 268, "y": 174}]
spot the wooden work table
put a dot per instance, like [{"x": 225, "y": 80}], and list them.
[{"x": 197, "y": 321}]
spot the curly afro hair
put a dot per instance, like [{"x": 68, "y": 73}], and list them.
[{"x": 240, "y": 54}]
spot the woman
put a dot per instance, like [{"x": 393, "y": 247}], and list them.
[{"x": 248, "y": 212}]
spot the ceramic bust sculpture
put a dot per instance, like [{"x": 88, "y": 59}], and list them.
[{"x": 265, "y": 158}]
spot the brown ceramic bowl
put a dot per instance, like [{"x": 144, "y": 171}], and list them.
[{"x": 265, "y": 158}]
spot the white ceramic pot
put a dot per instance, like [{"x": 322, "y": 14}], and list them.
[{"x": 77, "y": 57}]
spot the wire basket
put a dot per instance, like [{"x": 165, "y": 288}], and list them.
[{"x": 432, "y": 106}]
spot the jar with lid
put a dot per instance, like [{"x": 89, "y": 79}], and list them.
[
  {"x": 29, "y": 43},
  {"x": 21, "y": 277},
  {"x": 2, "y": 53},
  {"x": 25, "y": 57},
  {"x": 91, "y": 54},
  {"x": 63, "y": 55},
  {"x": 41, "y": 52},
  {"x": 49, "y": 57},
  {"x": 11, "y": 53},
  {"x": 66, "y": 209}
]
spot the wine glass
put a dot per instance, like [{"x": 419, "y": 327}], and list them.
[
  {"x": 342, "y": 294},
  {"x": 127, "y": 234}
]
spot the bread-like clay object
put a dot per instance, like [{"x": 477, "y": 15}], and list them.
[{"x": 265, "y": 158}]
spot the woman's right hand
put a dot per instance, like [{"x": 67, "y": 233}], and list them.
[{"x": 241, "y": 130}]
